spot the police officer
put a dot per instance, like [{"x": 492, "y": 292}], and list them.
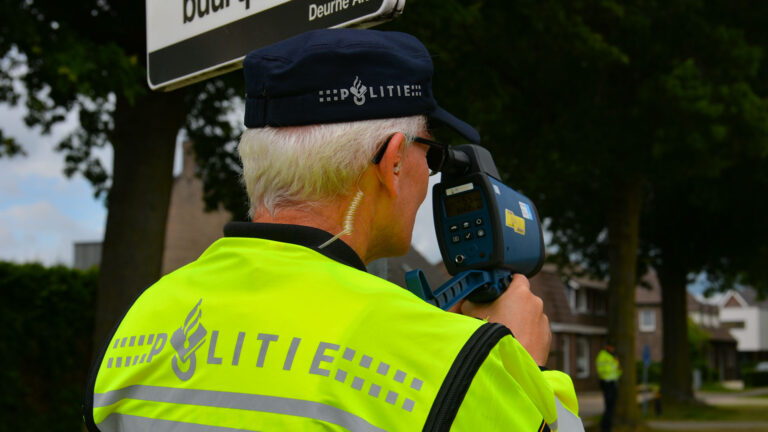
[
  {"x": 277, "y": 326},
  {"x": 609, "y": 372}
]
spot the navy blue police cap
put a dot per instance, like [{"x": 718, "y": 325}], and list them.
[{"x": 342, "y": 75}]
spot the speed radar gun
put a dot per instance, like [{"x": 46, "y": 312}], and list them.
[{"x": 486, "y": 231}]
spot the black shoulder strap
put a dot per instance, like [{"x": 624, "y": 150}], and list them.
[{"x": 461, "y": 374}]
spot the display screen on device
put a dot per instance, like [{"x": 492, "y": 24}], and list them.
[{"x": 463, "y": 203}]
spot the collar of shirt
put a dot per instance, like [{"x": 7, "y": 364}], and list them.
[{"x": 301, "y": 235}]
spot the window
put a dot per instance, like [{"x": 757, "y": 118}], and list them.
[
  {"x": 570, "y": 292},
  {"x": 600, "y": 303},
  {"x": 707, "y": 319},
  {"x": 733, "y": 324},
  {"x": 696, "y": 317},
  {"x": 582, "y": 357},
  {"x": 577, "y": 297},
  {"x": 647, "y": 320},
  {"x": 566, "y": 347},
  {"x": 581, "y": 301}
]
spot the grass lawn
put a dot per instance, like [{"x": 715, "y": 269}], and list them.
[
  {"x": 700, "y": 413},
  {"x": 717, "y": 387},
  {"x": 708, "y": 412}
]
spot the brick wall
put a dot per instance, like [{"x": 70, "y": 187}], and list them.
[{"x": 189, "y": 230}]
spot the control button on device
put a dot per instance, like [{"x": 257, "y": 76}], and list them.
[
  {"x": 479, "y": 221},
  {"x": 459, "y": 259},
  {"x": 480, "y": 233},
  {"x": 456, "y": 239},
  {"x": 468, "y": 236},
  {"x": 453, "y": 228},
  {"x": 465, "y": 224}
]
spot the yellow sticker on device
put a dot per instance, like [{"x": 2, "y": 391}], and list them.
[{"x": 515, "y": 222}]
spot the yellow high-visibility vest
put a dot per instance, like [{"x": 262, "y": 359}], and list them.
[
  {"x": 266, "y": 335},
  {"x": 608, "y": 368}
]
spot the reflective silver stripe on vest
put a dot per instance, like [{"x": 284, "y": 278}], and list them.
[
  {"x": 243, "y": 401},
  {"x": 117, "y": 422},
  {"x": 566, "y": 420}
]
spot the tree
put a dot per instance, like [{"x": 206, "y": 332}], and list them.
[
  {"x": 9, "y": 147},
  {"x": 89, "y": 56},
  {"x": 689, "y": 230},
  {"x": 46, "y": 320},
  {"x": 591, "y": 108},
  {"x": 535, "y": 79},
  {"x": 601, "y": 111},
  {"x": 718, "y": 95}
]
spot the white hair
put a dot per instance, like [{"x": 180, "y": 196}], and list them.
[{"x": 302, "y": 165}]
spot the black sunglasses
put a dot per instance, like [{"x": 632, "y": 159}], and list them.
[{"x": 436, "y": 153}]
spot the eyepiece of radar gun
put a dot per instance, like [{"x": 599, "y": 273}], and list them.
[{"x": 486, "y": 231}]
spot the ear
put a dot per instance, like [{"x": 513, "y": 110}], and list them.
[{"x": 389, "y": 167}]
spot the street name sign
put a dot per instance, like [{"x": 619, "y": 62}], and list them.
[{"x": 191, "y": 40}]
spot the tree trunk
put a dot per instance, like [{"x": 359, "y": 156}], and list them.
[
  {"x": 143, "y": 140},
  {"x": 676, "y": 385},
  {"x": 623, "y": 238}
]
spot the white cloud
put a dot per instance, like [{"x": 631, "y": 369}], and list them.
[
  {"x": 42, "y": 213},
  {"x": 41, "y": 159},
  {"x": 424, "y": 239},
  {"x": 41, "y": 232}
]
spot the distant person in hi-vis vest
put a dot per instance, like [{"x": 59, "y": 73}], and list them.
[
  {"x": 609, "y": 372},
  {"x": 278, "y": 326}
]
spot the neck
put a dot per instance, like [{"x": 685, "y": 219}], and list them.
[{"x": 330, "y": 218}]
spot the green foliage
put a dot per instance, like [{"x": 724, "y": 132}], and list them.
[
  {"x": 703, "y": 412},
  {"x": 654, "y": 372},
  {"x": 46, "y": 320},
  {"x": 698, "y": 343},
  {"x": 89, "y": 57},
  {"x": 73, "y": 56},
  {"x": 699, "y": 347},
  {"x": 215, "y": 134},
  {"x": 9, "y": 147},
  {"x": 753, "y": 378},
  {"x": 572, "y": 98}
]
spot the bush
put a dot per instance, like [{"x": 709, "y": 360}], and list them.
[
  {"x": 46, "y": 322},
  {"x": 654, "y": 372},
  {"x": 753, "y": 378}
]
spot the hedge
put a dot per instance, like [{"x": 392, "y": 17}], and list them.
[
  {"x": 753, "y": 378},
  {"x": 46, "y": 322}
]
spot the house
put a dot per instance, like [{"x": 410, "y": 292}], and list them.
[
  {"x": 189, "y": 228},
  {"x": 747, "y": 319},
  {"x": 576, "y": 308},
  {"x": 87, "y": 254},
  {"x": 720, "y": 351},
  {"x": 649, "y": 327}
]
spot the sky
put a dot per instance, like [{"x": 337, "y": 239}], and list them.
[{"x": 41, "y": 211}]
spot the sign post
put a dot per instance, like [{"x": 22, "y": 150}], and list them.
[
  {"x": 646, "y": 364},
  {"x": 191, "y": 40}
]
